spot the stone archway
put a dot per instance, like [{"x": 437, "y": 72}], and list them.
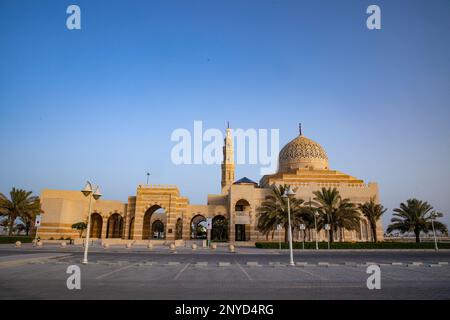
[
  {"x": 198, "y": 227},
  {"x": 115, "y": 226},
  {"x": 242, "y": 223},
  {"x": 152, "y": 214},
  {"x": 365, "y": 230},
  {"x": 131, "y": 229},
  {"x": 96, "y": 225},
  {"x": 242, "y": 205}
]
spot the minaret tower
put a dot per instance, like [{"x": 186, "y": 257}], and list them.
[{"x": 228, "y": 161}]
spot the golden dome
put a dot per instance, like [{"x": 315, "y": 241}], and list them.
[{"x": 302, "y": 153}]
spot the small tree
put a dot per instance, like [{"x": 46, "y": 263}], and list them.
[
  {"x": 335, "y": 211},
  {"x": 20, "y": 203},
  {"x": 80, "y": 226},
  {"x": 415, "y": 216},
  {"x": 273, "y": 211},
  {"x": 373, "y": 212}
]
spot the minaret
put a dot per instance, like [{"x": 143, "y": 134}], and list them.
[{"x": 228, "y": 161}]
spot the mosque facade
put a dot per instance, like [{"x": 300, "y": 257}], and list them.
[{"x": 162, "y": 213}]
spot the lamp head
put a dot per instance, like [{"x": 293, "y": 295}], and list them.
[
  {"x": 288, "y": 192},
  {"x": 291, "y": 192},
  {"x": 87, "y": 189},
  {"x": 97, "y": 194}
]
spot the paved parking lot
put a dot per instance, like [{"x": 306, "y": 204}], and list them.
[{"x": 31, "y": 273}]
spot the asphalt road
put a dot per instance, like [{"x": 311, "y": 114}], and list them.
[{"x": 248, "y": 274}]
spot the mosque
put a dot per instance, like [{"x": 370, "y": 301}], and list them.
[{"x": 161, "y": 213}]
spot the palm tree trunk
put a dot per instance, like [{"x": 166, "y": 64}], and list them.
[
  {"x": 331, "y": 234},
  {"x": 374, "y": 233},
  {"x": 286, "y": 234},
  {"x": 417, "y": 233},
  {"x": 304, "y": 236},
  {"x": 10, "y": 225}
]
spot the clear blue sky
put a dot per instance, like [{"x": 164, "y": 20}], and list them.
[{"x": 101, "y": 103}]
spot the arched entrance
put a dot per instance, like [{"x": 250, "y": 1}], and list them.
[
  {"x": 96, "y": 226},
  {"x": 131, "y": 229},
  {"x": 153, "y": 214},
  {"x": 242, "y": 225},
  {"x": 242, "y": 205},
  {"x": 219, "y": 230},
  {"x": 198, "y": 227},
  {"x": 365, "y": 230},
  {"x": 179, "y": 229},
  {"x": 158, "y": 230},
  {"x": 115, "y": 226}
]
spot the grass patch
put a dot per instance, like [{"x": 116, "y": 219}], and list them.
[
  {"x": 354, "y": 245},
  {"x": 13, "y": 239}
]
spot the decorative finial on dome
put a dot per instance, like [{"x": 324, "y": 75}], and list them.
[
  {"x": 228, "y": 124},
  {"x": 300, "y": 128}
]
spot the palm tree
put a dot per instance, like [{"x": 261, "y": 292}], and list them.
[
  {"x": 28, "y": 219},
  {"x": 335, "y": 211},
  {"x": 373, "y": 212},
  {"x": 415, "y": 216},
  {"x": 273, "y": 211},
  {"x": 21, "y": 204}
]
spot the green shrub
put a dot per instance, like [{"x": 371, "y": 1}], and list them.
[{"x": 13, "y": 239}]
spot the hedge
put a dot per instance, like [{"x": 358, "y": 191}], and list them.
[
  {"x": 13, "y": 239},
  {"x": 354, "y": 245}
]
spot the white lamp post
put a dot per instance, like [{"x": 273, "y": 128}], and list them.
[
  {"x": 434, "y": 216},
  {"x": 303, "y": 227},
  {"x": 287, "y": 193},
  {"x": 87, "y": 192},
  {"x": 328, "y": 228},
  {"x": 316, "y": 215}
]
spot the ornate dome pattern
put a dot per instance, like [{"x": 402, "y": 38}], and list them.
[{"x": 302, "y": 153}]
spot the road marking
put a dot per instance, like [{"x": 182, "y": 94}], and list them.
[
  {"x": 253, "y": 264},
  {"x": 312, "y": 274},
  {"x": 37, "y": 258},
  {"x": 181, "y": 271},
  {"x": 25, "y": 274},
  {"x": 243, "y": 270},
  {"x": 112, "y": 272}
]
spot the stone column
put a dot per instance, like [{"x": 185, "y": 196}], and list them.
[
  {"x": 138, "y": 225},
  {"x": 104, "y": 227},
  {"x": 171, "y": 222},
  {"x": 186, "y": 235},
  {"x": 231, "y": 228}
]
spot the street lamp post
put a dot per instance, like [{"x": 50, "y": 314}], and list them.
[
  {"x": 287, "y": 193},
  {"x": 433, "y": 216},
  {"x": 279, "y": 227},
  {"x": 87, "y": 192},
  {"x": 316, "y": 215},
  {"x": 328, "y": 228},
  {"x": 302, "y": 228}
]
